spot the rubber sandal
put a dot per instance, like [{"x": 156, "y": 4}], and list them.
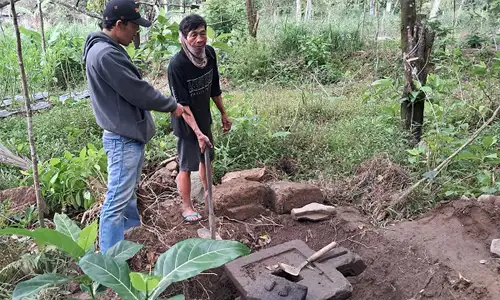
[{"x": 191, "y": 215}]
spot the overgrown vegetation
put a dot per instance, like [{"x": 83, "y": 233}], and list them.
[{"x": 311, "y": 99}]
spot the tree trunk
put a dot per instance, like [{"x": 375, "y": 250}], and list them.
[
  {"x": 416, "y": 45},
  {"x": 39, "y": 199},
  {"x": 308, "y": 13},
  {"x": 388, "y": 6},
  {"x": 4, "y": 3},
  {"x": 44, "y": 43},
  {"x": 435, "y": 9},
  {"x": 298, "y": 11},
  {"x": 372, "y": 7},
  {"x": 137, "y": 40},
  {"x": 253, "y": 19}
]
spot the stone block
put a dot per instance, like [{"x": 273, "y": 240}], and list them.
[
  {"x": 289, "y": 195},
  {"x": 253, "y": 274},
  {"x": 245, "y": 212},
  {"x": 495, "y": 247},
  {"x": 256, "y": 174},
  {"x": 313, "y": 212},
  {"x": 238, "y": 193}
]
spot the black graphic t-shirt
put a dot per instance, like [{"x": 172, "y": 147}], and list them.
[{"x": 193, "y": 87}]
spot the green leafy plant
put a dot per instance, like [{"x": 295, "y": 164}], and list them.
[
  {"x": 65, "y": 180},
  {"x": 185, "y": 259}
]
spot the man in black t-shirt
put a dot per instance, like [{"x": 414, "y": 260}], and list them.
[{"x": 194, "y": 79}]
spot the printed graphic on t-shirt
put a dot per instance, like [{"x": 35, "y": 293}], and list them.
[{"x": 200, "y": 85}]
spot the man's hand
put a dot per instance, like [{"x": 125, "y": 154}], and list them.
[
  {"x": 203, "y": 141},
  {"x": 178, "y": 111},
  {"x": 226, "y": 123}
]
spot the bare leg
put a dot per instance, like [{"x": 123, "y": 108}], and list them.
[{"x": 184, "y": 180}]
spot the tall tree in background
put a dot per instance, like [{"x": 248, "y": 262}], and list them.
[
  {"x": 44, "y": 43},
  {"x": 39, "y": 199},
  {"x": 253, "y": 18},
  {"x": 308, "y": 14},
  {"x": 298, "y": 11},
  {"x": 416, "y": 45}
]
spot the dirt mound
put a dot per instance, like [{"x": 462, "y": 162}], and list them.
[
  {"x": 371, "y": 186},
  {"x": 434, "y": 257},
  {"x": 19, "y": 198},
  {"x": 458, "y": 234}
]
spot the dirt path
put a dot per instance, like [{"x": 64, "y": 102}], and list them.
[{"x": 434, "y": 257}]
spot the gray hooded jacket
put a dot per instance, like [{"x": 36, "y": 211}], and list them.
[{"x": 121, "y": 99}]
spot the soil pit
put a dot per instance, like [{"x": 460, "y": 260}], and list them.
[{"x": 434, "y": 257}]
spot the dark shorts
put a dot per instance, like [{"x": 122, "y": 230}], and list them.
[{"x": 189, "y": 153}]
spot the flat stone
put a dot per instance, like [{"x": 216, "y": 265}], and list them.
[
  {"x": 251, "y": 276},
  {"x": 239, "y": 192},
  {"x": 245, "y": 212},
  {"x": 495, "y": 247},
  {"x": 289, "y": 195},
  {"x": 313, "y": 212},
  {"x": 256, "y": 174},
  {"x": 197, "y": 189}
]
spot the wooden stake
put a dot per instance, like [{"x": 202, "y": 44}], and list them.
[{"x": 31, "y": 139}]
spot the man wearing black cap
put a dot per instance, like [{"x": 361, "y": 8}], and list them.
[{"x": 121, "y": 101}]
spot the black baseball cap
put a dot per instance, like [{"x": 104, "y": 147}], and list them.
[{"x": 126, "y": 10}]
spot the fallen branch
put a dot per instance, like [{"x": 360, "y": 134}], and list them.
[
  {"x": 10, "y": 158},
  {"x": 403, "y": 197},
  {"x": 4, "y": 3},
  {"x": 77, "y": 9}
]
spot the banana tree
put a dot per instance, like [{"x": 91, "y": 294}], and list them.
[{"x": 184, "y": 260}]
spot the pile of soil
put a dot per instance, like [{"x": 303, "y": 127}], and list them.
[{"x": 434, "y": 257}]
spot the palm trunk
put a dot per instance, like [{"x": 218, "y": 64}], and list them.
[{"x": 39, "y": 199}]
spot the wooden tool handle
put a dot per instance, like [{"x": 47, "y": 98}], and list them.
[{"x": 322, "y": 251}]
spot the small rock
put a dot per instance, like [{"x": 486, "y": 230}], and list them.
[
  {"x": 172, "y": 166},
  {"x": 495, "y": 247},
  {"x": 491, "y": 199},
  {"x": 257, "y": 174},
  {"x": 289, "y": 195},
  {"x": 313, "y": 211},
  {"x": 482, "y": 261},
  {"x": 270, "y": 286}
]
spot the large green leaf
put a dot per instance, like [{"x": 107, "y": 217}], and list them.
[
  {"x": 88, "y": 236},
  {"x": 111, "y": 273},
  {"x": 34, "y": 285},
  {"x": 190, "y": 257},
  {"x": 144, "y": 282},
  {"x": 67, "y": 226},
  {"x": 123, "y": 250},
  {"x": 177, "y": 297},
  {"x": 48, "y": 236}
]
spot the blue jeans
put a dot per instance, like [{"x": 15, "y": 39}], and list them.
[{"x": 119, "y": 211}]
